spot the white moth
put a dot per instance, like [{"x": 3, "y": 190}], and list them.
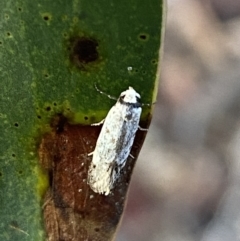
[{"x": 115, "y": 141}]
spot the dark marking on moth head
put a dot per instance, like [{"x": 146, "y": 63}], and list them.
[{"x": 134, "y": 105}]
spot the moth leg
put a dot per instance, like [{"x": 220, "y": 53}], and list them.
[
  {"x": 91, "y": 153},
  {"x": 48, "y": 199},
  {"x": 99, "y": 123},
  {"x": 142, "y": 129},
  {"x": 131, "y": 156}
]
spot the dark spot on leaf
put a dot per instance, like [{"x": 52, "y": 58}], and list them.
[
  {"x": 48, "y": 108},
  {"x": 154, "y": 61},
  {"x": 144, "y": 37},
  {"x": 85, "y": 118},
  {"x": 97, "y": 230},
  {"x": 46, "y": 18},
  {"x": 62, "y": 120},
  {"x": 19, "y": 9},
  {"x": 1, "y": 174},
  {"x": 13, "y": 155},
  {"x": 50, "y": 174},
  {"x": 20, "y": 172},
  {"x": 46, "y": 75},
  {"x": 55, "y": 104},
  {"x": 8, "y": 34},
  {"x": 0, "y": 42},
  {"x": 39, "y": 117},
  {"x": 16, "y": 124}
]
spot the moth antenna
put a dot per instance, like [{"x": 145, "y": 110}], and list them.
[{"x": 109, "y": 96}]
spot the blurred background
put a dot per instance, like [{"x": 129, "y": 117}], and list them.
[{"x": 186, "y": 184}]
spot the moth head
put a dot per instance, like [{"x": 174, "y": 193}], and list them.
[{"x": 130, "y": 96}]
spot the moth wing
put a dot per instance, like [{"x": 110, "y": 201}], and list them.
[
  {"x": 113, "y": 147},
  {"x": 105, "y": 150},
  {"x": 128, "y": 133},
  {"x": 103, "y": 170}
]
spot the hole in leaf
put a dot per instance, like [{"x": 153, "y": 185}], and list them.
[{"x": 85, "y": 50}]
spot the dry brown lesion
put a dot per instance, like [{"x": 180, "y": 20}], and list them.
[{"x": 71, "y": 210}]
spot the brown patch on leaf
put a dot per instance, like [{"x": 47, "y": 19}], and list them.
[{"x": 72, "y": 211}]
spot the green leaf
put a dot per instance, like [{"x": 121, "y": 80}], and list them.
[{"x": 52, "y": 55}]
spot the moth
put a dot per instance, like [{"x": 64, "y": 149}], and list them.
[{"x": 115, "y": 141}]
